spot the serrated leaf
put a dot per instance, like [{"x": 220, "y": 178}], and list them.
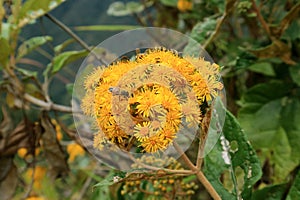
[
  {"x": 31, "y": 44},
  {"x": 295, "y": 74},
  {"x": 271, "y": 120},
  {"x": 264, "y": 68},
  {"x": 33, "y": 9},
  {"x": 294, "y": 192},
  {"x": 65, "y": 58},
  {"x": 4, "y": 51},
  {"x": 244, "y": 157}
]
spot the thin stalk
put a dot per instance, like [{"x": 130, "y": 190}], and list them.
[
  {"x": 201, "y": 177},
  {"x": 73, "y": 35}
]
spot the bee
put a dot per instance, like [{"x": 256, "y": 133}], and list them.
[{"x": 118, "y": 91}]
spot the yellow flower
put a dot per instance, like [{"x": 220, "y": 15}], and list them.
[
  {"x": 148, "y": 98},
  {"x": 39, "y": 174},
  {"x": 59, "y": 134},
  {"x": 142, "y": 131},
  {"x": 192, "y": 113},
  {"x": 154, "y": 144},
  {"x": 184, "y": 5},
  {"x": 34, "y": 198},
  {"x": 174, "y": 119},
  {"x": 74, "y": 150}
]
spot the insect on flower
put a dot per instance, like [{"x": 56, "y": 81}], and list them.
[{"x": 118, "y": 91}]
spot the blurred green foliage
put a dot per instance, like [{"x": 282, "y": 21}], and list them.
[{"x": 257, "y": 43}]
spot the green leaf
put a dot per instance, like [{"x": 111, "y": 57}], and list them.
[
  {"x": 119, "y": 8},
  {"x": 292, "y": 32},
  {"x": 4, "y": 51},
  {"x": 242, "y": 156},
  {"x": 172, "y": 3},
  {"x": 294, "y": 192},
  {"x": 134, "y": 7},
  {"x": 111, "y": 178},
  {"x": 278, "y": 29},
  {"x": 203, "y": 30},
  {"x": 65, "y": 58},
  {"x": 2, "y": 13},
  {"x": 274, "y": 192},
  {"x": 33, "y": 9},
  {"x": 270, "y": 117},
  {"x": 295, "y": 74},
  {"x": 59, "y": 48},
  {"x": 31, "y": 44},
  {"x": 5, "y": 30},
  {"x": 106, "y": 28},
  {"x": 27, "y": 73},
  {"x": 69, "y": 88},
  {"x": 264, "y": 68}
]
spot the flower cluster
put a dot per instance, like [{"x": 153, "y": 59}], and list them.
[
  {"x": 160, "y": 185},
  {"x": 143, "y": 102}
]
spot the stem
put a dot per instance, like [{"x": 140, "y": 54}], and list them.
[
  {"x": 69, "y": 31},
  {"x": 260, "y": 18},
  {"x": 201, "y": 177},
  {"x": 184, "y": 157},
  {"x": 73, "y": 35},
  {"x": 47, "y": 105},
  {"x": 216, "y": 32}
]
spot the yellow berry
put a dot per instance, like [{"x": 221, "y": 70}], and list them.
[{"x": 22, "y": 152}]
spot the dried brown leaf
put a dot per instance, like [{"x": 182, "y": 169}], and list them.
[
  {"x": 276, "y": 49},
  {"x": 278, "y": 29},
  {"x": 17, "y": 138},
  {"x": 9, "y": 182},
  {"x": 53, "y": 151}
]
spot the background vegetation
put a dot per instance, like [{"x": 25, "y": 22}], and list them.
[{"x": 256, "y": 42}]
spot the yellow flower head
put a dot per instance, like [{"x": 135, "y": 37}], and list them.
[
  {"x": 143, "y": 103},
  {"x": 74, "y": 150},
  {"x": 184, "y": 5}
]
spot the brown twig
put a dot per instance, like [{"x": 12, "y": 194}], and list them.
[
  {"x": 184, "y": 157},
  {"x": 260, "y": 18},
  {"x": 73, "y": 35},
  {"x": 201, "y": 177}
]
